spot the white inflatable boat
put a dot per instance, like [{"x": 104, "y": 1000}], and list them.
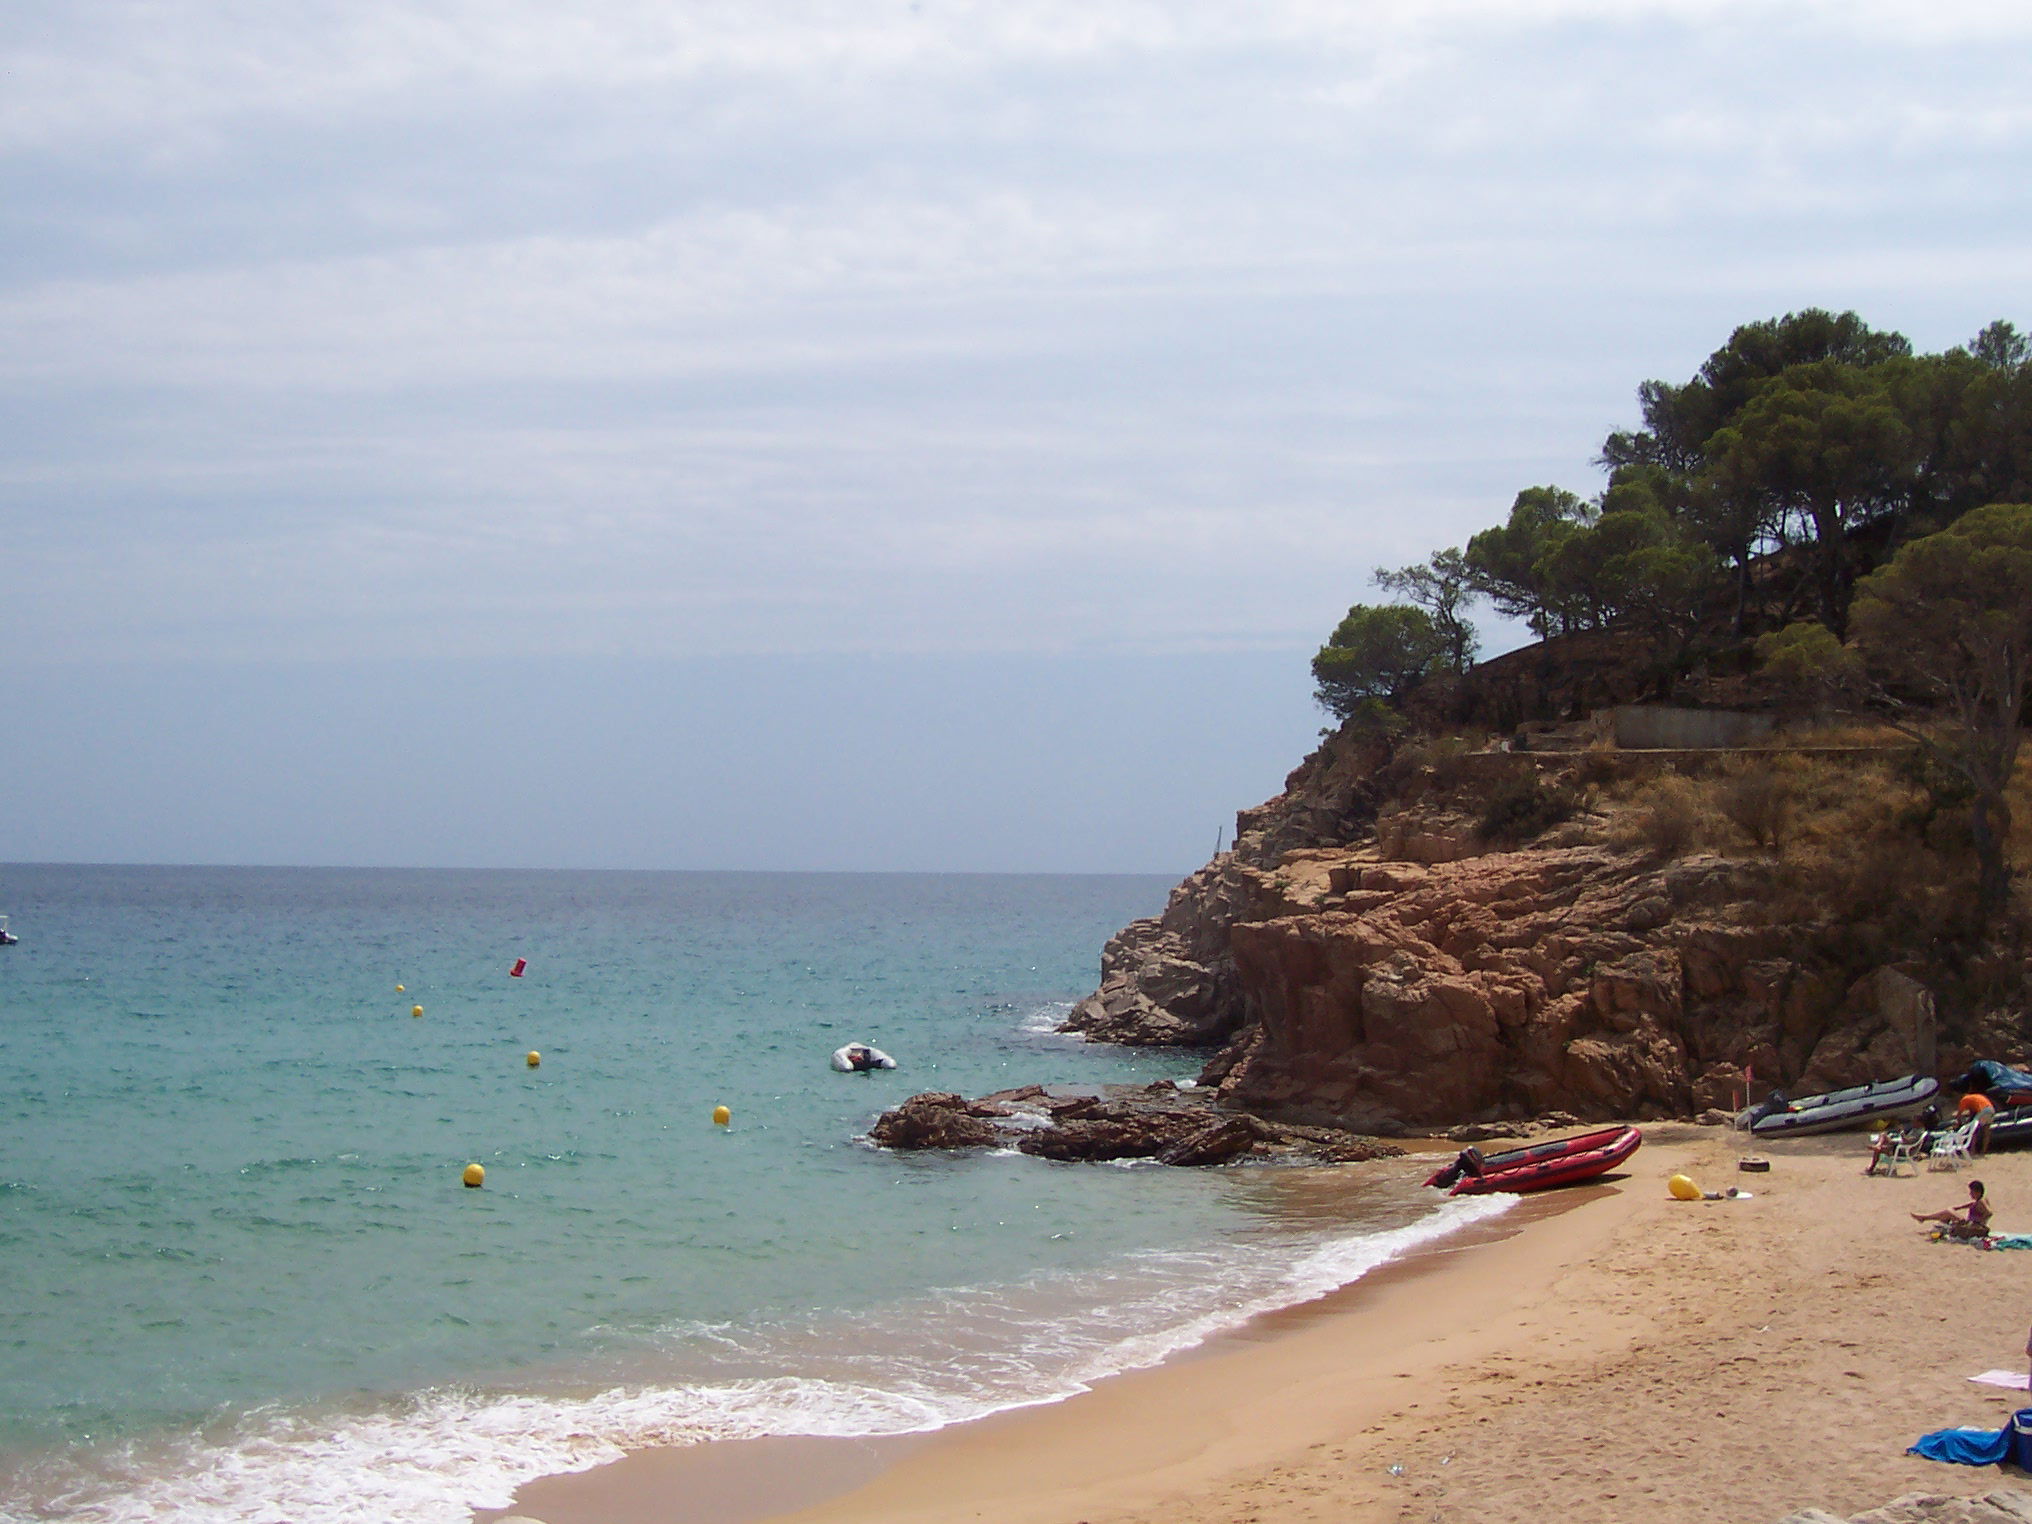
[{"x": 859, "y": 1058}]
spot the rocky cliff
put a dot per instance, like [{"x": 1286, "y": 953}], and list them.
[
  {"x": 1172, "y": 980},
  {"x": 1366, "y": 958}
]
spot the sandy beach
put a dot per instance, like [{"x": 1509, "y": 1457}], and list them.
[{"x": 1614, "y": 1355}]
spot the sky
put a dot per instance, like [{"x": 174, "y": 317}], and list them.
[{"x": 897, "y": 435}]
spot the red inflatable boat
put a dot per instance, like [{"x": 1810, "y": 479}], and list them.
[{"x": 1540, "y": 1166}]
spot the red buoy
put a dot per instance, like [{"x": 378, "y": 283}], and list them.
[{"x": 516, "y": 971}]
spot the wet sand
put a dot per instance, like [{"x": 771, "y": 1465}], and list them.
[{"x": 1608, "y": 1354}]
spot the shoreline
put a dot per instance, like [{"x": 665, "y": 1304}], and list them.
[
  {"x": 1623, "y": 1356},
  {"x": 779, "y": 1478}
]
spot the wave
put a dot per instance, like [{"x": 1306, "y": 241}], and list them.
[
  {"x": 1046, "y": 1020},
  {"x": 926, "y": 1364}
]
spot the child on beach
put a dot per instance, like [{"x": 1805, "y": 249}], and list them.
[{"x": 1969, "y": 1220}]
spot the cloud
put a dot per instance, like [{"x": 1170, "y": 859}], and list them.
[{"x": 485, "y": 328}]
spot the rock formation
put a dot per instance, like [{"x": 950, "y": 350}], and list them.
[
  {"x": 1158, "y": 1122},
  {"x": 938, "y": 1119},
  {"x": 1171, "y": 980},
  {"x": 1503, "y": 985},
  {"x": 1371, "y": 964}
]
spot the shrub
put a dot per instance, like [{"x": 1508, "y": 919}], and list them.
[
  {"x": 1431, "y": 769},
  {"x": 1668, "y": 816},
  {"x": 1523, "y": 807},
  {"x": 1758, "y": 802},
  {"x": 1599, "y": 766}
]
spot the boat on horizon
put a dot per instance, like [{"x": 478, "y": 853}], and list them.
[{"x": 1538, "y": 1166}]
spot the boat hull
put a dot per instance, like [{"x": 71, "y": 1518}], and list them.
[
  {"x": 2010, "y": 1127},
  {"x": 1540, "y": 1166},
  {"x": 1857, "y": 1106}
]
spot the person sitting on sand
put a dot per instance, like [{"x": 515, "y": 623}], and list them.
[{"x": 1969, "y": 1220}]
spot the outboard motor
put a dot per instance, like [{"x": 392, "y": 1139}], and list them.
[
  {"x": 1467, "y": 1162},
  {"x": 1771, "y": 1105}
]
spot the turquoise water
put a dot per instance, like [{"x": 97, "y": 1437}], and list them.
[{"x": 244, "y": 1280}]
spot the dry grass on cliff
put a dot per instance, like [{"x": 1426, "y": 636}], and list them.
[
  {"x": 1857, "y": 845},
  {"x": 1787, "y": 806},
  {"x": 1793, "y": 809},
  {"x": 1433, "y": 769},
  {"x": 1850, "y": 835}
]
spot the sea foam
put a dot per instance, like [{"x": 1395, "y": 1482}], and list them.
[{"x": 958, "y": 1356}]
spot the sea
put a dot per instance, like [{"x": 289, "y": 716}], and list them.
[{"x": 241, "y": 1278}]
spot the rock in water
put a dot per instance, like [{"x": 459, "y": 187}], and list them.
[
  {"x": 1157, "y": 1122},
  {"x": 936, "y": 1119},
  {"x": 1216, "y": 1143}
]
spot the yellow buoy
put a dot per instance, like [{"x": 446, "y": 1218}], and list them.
[
  {"x": 416, "y": 1010},
  {"x": 475, "y": 1175},
  {"x": 722, "y": 1116},
  {"x": 1682, "y": 1189},
  {"x": 534, "y": 1058},
  {"x": 401, "y": 989}
]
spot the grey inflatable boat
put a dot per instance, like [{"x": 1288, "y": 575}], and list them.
[{"x": 1781, "y": 1117}]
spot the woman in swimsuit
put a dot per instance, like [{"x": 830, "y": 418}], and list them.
[{"x": 1969, "y": 1220}]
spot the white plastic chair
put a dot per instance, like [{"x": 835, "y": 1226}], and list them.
[
  {"x": 1951, "y": 1149},
  {"x": 1905, "y": 1150}
]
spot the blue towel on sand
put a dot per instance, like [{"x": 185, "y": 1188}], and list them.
[
  {"x": 1965, "y": 1447},
  {"x": 1979, "y": 1447}
]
